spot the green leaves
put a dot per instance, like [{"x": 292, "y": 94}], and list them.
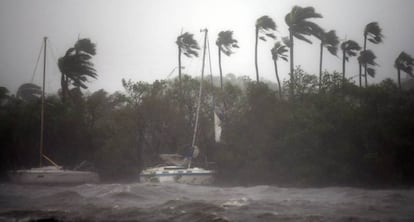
[
  {"x": 188, "y": 44},
  {"x": 405, "y": 63},
  {"x": 226, "y": 42},
  {"x": 299, "y": 26},
  {"x": 373, "y": 33},
  {"x": 350, "y": 48},
  {"x": 265, "y": 26},
  {"x": 278, "y": 51}
]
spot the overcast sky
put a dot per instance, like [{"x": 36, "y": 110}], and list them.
[{"x": 136, "y": 39}]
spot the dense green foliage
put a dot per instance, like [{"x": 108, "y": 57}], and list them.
[{"x": 337, "y": 136}]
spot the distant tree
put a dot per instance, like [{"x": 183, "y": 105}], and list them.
[
  {"x": 278, "y": 51},
  {"x": 225, "y": 43},
  {"x": 188, "y": 46},
  {"x": 29, "y": 92},
  {"x": 76, "y": 66},
  {"x": 264, "y": 27},
  {"x": 300, "y": 27},
  {"x": 372, "y": 33},
  {"x": 330, "y": 41},
  {"x": 367, "y": 59},
  {"x": 4, "y": 95},
  {"x": 405, "y": 63},
  {"x": 349, "y": 49}
]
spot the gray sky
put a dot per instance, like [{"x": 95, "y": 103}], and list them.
[{"x": 136, "y": 39}]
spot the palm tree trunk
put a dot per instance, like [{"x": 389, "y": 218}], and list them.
[
  {"x": 179, "y": 64},
  {"x": 399, "y": 78},
  {"x": 360, "y": 75},
  {"x": 343, "y": 68},
  {"x": 63, "y": 87},
  {"x": 221, "y": 73},
  {"x": 320, "y": 67},
  {"x": 255, "y": 55},
  {"x": 365, "y": 65},
  {"x": 278, "y": 81},
  {"x": 291, "y": 64}
]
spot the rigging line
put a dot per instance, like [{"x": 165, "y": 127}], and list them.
[
  {"x": 37, "y": 62},
  {"x": 211, "y": 73}
]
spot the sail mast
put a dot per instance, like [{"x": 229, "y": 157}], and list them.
[
  {"x": 42, "y": 111},
  {"x": 199, "y": 95}
]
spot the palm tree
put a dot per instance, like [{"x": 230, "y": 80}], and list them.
[
  {"x": 264, "y": 27},
  {"x": 367, "y": 59},
  {"x": 349, "y": 49},
  {"x": 300, "y": 27},
  {"x": 188, "y": 46},
  {"x": 330, "y": 41},
  {"x": 76, "y": 66},
  {"x": 372, "y": 33},
  {"x": 405, "y": 63},
  {"x": 225, "y": 44},
  {"x": 29, "y": 92},
  {"x": 278, "y": 51}
]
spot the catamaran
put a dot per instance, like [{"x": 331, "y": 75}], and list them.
[
  {"x": 179, "y": 169},
  {"x": 52, "y": 174}
]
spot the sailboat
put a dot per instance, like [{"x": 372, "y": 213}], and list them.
[
  {"x": 175, "y": 168},
  {"x": 52, "y": 174}
]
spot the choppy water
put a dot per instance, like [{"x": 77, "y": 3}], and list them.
[{"x": 178, "y": 202}]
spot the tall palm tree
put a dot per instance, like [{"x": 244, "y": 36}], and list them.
[
  {"x": 300, "y": 27},
  {"x": 330, "y": 41},
  {"x": 372, "y": 33},
  {"x": 76, "y": 66},
  {"x": 264, "y": 27},
  {"x": 349, "y": 49},
  {"x": 188, "y": 46},
  {"x": 405, "y": 63},
  {"x": 366, "y": 59},
  {"x": 278, "y": 51},
  {"x": 225, "y": 43}
]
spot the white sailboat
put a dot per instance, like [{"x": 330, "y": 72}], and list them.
[
  {"x": 53, "y": 174},
  {"x": 179, "y": 170}
]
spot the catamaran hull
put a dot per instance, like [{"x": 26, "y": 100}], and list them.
[
  {"x": 53, "y": 177},
  {"x": 194, "y": 176}
]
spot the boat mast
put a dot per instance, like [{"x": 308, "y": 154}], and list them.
[
  {"x": 199, "y": 94},
  {"x": 42, "y": 111}
]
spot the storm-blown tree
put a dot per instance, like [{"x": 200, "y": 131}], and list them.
[
  {"x": 188, "y": 46},
  {"x": 300, "y": 27},
  {"x": 225, "y": 43},
  {"x": 278, "y": 51},
  {"x": 366, "y": 59},
  {"x": 29, "y": 92},
  {"x": 405, "y": 63},
  {"x": 349, "y": 49},
  {"x": 264, "y": 28},
  {"x": 76, "y": 66},
  {"x": 372, "y": 33},
  {"x": 330, "y": 41}
]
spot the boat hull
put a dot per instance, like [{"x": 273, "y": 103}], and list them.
[
  {"x": 196, "y": 176},
  {"x": 48, "y": 175}
]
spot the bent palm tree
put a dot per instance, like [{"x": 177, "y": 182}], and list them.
[
  {"x": 372, "y": 33},
  {"x": 76, "y": 66},
  {"x": 300, "y": 27},
  {"x": 264, "y": 26},
  {"x": 330, "y": 41},
  {"x": 405, "y": 63},
  {"x": 349, "y": 49},
  {"x": 367, "y": 59},
  {"x": 225, "y": 44},
  {"x": 29, "y": 92},
  {"x": 188, "y": 46},
  {"x": 278, "y": 51}
]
